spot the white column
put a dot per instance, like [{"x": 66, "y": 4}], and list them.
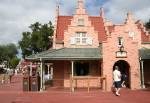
[
  {"x": 41, "y": 75},
  {"x": 51, "y": 72},
  {"x": 31, "y": 69},
  {"x": 72, "y": 68},
  {"x": 48, "y": 71},
  {"x": 142, "y": 75}
]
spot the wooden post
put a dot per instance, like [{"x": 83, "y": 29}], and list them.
[
  {"x": 72, "y": 72},
  {"x": 105, "y": 78},
  {"x": 88, "y": 84},
  {"x": 70, "y": 83}
]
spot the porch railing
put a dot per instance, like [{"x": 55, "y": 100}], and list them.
[{"x": 101, "y": 79}]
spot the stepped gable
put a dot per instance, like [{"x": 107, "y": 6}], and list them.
[
  {"x": 144, "y": 36},
  {"x": 64, "y": 21}
]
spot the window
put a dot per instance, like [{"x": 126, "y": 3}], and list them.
[
  {"x": 81, "y": 39},
  {"x": 80, "y": 22},
  {"x": 81, "y": 69}
]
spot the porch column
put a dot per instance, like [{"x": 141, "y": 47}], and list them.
[
  {"x": 48, "y": 71},
  {"x": 72, "y": 72},
  {"x": 72, "y": 68},
  {"x": 51, "y": 72},
  {"x": 142, "y": 75},
  {"x": 31, "y": 69},
  {"x": 41, "y": 75}
]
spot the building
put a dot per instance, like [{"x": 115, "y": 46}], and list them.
[{"x": 91, "y": 46}]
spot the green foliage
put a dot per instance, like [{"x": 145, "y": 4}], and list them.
[
  {"x": 37, "y": 40},
  {"x": 14, "y": 62},
  {"x": 25, "y": 44},
  {"x": 8, "y": 53}
]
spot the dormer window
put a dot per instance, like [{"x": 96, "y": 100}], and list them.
[
  {"x": 81, "y": 39},
  {"x": 80, "y": 22}
]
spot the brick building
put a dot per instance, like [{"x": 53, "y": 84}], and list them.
[{"x": 85, "y": 45}]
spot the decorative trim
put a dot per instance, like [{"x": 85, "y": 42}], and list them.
[{"x": 121, "y": 54}]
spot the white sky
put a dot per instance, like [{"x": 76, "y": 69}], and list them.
[{"x": 17, "y": 15}]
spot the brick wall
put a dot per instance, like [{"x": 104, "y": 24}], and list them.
[
  {"x": 58, "y": 75},
  {"x": 109, "y": 55}
]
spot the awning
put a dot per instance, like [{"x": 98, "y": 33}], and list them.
[
  {"x": 144, "y": 53},
  {"x": 68, "y": 54}
]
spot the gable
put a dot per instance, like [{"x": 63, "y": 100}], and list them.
[{"x": 64, "y": 21}]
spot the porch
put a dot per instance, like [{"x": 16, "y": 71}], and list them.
[{"x": 71, "y": 68}]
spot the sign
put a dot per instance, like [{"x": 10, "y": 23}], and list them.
[{"x": 121, "y": 54}]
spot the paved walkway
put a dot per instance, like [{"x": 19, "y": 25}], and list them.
[
  {"x": 9, "y": 91},
  {"x": 12, "y": 93}
]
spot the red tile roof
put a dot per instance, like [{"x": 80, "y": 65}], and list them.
[
  {"x": 98, "y": 24},
  {"x": 62, "y": 24},
  {"x": 64, "y": 21}
]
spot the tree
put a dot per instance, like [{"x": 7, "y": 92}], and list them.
[
  {"x": 25, "y": 44},
  {"x": 40, "y": 36},
  {"x": 7, "y": 53},
  {"x": 14, "y": 62},
  {"x": 37, "y": 40}
]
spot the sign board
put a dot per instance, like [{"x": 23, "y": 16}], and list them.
[{"x": 121, "y": 54}]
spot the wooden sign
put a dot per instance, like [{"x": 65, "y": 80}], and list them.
[{"x": 121, "y": 54}]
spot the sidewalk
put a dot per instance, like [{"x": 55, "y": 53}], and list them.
[
  {"x": 9, "y": 91},
  {"x": 12, "y": 93},
  {"x": 127, "y": 96}
]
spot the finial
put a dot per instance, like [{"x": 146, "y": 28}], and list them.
[
  {"x": 102, "y": 12},
  {"x": 80, "y": 4},
  {"x": 129, "y": 18},
  {"x": 57, "y": 7},
  {"x": 129, "y": 15}
]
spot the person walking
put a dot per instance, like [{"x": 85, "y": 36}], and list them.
[
  {"x": 10, "y": 74},
  {"x": 117, "y": 80},
  {"x": 123, "y": 79}
]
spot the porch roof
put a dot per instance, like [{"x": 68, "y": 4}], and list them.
[
  {"x": 144, "y": 53},
  {"x": 68, "y": 54}
]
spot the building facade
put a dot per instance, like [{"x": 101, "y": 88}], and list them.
[{"x": 85, "y": 45}]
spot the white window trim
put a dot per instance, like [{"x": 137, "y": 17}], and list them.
[{"x": 79, "y": 35}]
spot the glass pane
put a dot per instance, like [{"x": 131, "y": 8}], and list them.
[
  {"x": 77, "y": 40},
  {"x": 78, "y": 34},
  {"x": 84, "y": 40},
  {"x": 83, "y": 34}
]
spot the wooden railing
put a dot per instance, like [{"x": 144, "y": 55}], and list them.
[{"x": 87, "y": 78}]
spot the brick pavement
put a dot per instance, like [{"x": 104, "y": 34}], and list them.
[{"x": 12, "y": 93}]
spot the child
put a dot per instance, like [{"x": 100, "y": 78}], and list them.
[{"x": 123, "y": 79}]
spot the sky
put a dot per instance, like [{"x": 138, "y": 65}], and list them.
[{"x": 17, "y": 15}]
